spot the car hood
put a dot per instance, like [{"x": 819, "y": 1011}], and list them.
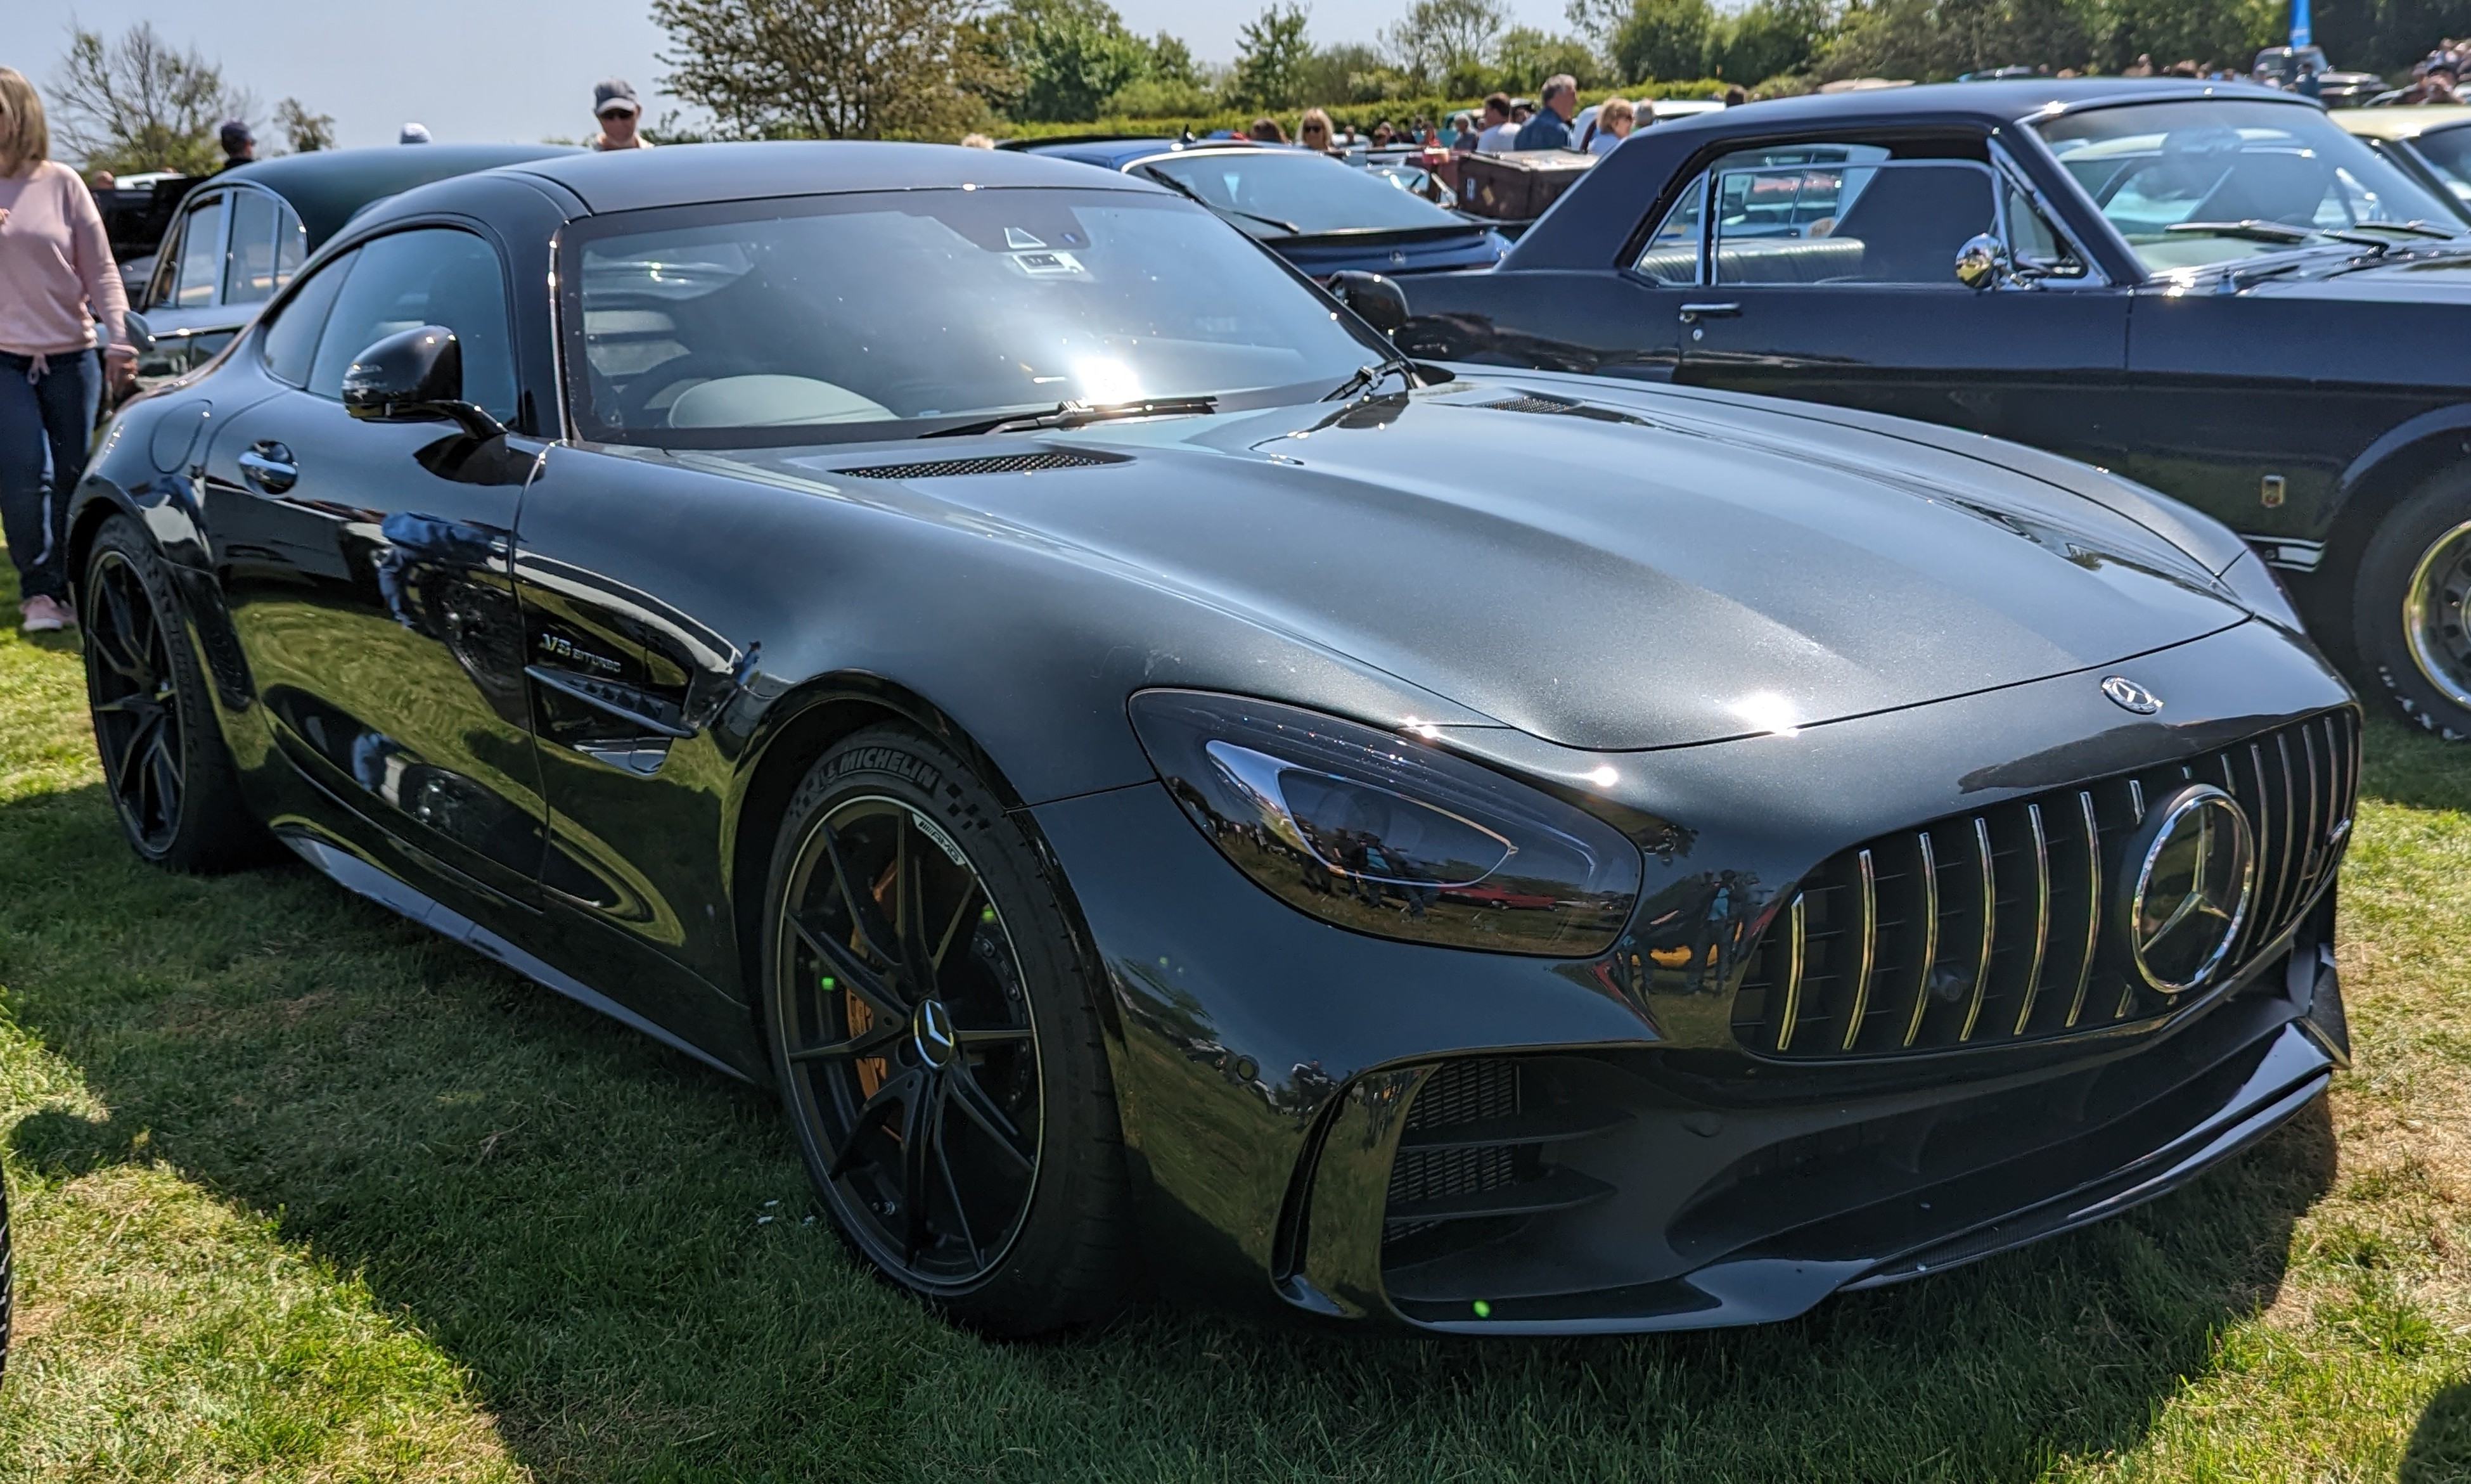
[
  {"x": 1627, "y": 571},
  {"x": 2406, "y": 275}
]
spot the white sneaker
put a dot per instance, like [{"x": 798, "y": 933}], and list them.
[{"x": 45, "y": 616}]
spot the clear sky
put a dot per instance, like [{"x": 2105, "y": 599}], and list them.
[{"x": 509, "y": 69}]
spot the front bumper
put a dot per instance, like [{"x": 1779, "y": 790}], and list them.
[{"x": 1662, "y": 1205}]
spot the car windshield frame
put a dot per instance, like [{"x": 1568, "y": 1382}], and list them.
[
  {"x": 2357, "y": 175},
  {"x": 2446, "y": 151},
  {"x": 1254, "y": 218},
  {"x": 575, "y": 368}
]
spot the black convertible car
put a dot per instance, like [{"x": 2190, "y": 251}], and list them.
[
  {"x": 1161, "y": 785},
  {"x": 2213, "y": 290}
]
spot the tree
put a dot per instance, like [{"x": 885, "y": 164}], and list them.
[
  {"x": 1927, "y": 41},
  {"x": 1067, "y": 56},
  {"x": 138, "y": 103},
  {"x": 1770, "y": 36},
  {"x": 1665, "y": 39},
  {"x": 1524, "y": 57},
  {"x": 1271, "y": 54},
  {"x": 831, "y": 69},
  {"x": 1448, "y": 42},
  {"x": 306, "y": 131},
  {"x": 2203, "y": 31}
]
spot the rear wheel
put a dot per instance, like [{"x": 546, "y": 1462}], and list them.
[
  {"x": 2411, "y": 605},
  {"x": 934, "y": 1032},
  {"x": 171, "y": 777}
]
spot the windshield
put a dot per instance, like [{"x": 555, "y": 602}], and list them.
[
  {"x": 886, "y": 315},
  {"x": 2207, "y": 162},
  {"x": 2448, "y": 152},
  {"x": 1283, "y": 192}
]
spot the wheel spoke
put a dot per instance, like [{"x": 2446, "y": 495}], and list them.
[
  {"x": 167, "y": 777},
  {"x": 871, "y": 1042},
  {"x": 953, "y": 1187},
  {"x": 997, "y": 1036},
  {"x": 854, "y": 973},
  {"x": 893, "y": 1094},
  {"x": 133, "y": 750},
  {"x": 915, "y": 1192},
  {"x": 960, "y": 916},
  {"x": 910, "y": 907},
  {"x": 875, "y": 934},
  {"x": 964, "y": 1088}
]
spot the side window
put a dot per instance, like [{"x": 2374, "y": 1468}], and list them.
[
  {"x": 1671, "y": 255},
  {"x": 1896, "y": 222},
  {"x": 2034, "y": 244},
  {"x": 291, "y": 341},
  {"x": 291, "y": 244},
  {"x": 429, "y": 275},
  {"x": 249, "y": 263},
  {"x": 202, "y": 254}
]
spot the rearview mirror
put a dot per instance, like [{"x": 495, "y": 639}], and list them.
[
  {"x": 1982, "y": 263},
  {"x": 1377, "y": 300},
  {"x": 415, "y": 376}
]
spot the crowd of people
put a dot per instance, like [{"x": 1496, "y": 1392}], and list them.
[{"x": 1502, "y": 124}]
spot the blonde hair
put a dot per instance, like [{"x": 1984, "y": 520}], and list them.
[
  {"x": 24, "y": 139},
  {"x": 1615, "y": 109},
  {"x": 1313, "y": 116}
]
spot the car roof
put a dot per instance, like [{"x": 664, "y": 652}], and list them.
[
  {"x": 690, "y": 174},
  {"x": 2409, "y": 122},
  {"x": 2005, "y": 100},
  {"x": 326, "y": 186},
  {"x": 1119, "y": 151}
]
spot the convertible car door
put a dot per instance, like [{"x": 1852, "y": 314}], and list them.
[
  {"x": 1833, "y": 279},
  {"x": 366, "y": 564}
]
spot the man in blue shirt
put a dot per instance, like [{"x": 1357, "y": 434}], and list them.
[{"x": 1550, "y": 127}]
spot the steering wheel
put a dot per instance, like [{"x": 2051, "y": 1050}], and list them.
[{"x": 635, "y": 402}]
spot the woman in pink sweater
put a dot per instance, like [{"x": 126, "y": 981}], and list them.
[{"x": 56, "y": 277}]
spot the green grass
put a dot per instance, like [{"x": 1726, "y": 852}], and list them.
[{"x": 304, "y": 1193}]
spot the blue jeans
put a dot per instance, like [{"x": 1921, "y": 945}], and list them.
[{"x": 45, "y": 419}]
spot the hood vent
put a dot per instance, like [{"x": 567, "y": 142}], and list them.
[
  {"x": 993, "y": 463},
  {"x": 1566, "y": 407}
]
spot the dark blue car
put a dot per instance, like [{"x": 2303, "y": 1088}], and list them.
[{"x": 1322, "y": 215}]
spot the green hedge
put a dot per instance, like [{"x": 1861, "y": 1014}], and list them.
[{"x": 1349, "y": 115}]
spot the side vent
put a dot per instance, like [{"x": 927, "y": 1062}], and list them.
[
  {"x": 1470, "y": 1161},
  {"x": 1543, "y": 404},
  {"x": 993, "y": 463}
]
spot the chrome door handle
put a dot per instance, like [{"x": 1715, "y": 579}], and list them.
[
  {"x": 269, "y": 466},
  {"x": 1692, "y": 314}
]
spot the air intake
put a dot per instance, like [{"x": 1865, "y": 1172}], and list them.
[
  {"x": 1542, "y": 404},
  {"x": 1989, "y": 928},
  {"x": 993, "y": 463}
]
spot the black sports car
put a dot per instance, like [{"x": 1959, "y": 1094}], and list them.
[
  {"x": 2212, "y": 289},
  {"x": 1160, "y": 784}
]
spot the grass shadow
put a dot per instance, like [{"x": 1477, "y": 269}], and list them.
[
  {"x": 616, "y": 1244},
  {"x": 2439, "y": 1450}
]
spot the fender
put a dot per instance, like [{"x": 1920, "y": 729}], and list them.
[{"x": 2427, "y": 426}]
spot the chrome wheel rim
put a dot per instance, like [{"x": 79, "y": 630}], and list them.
[
  {"x": 2434, "y": 619},
  {"x": 911, "y": 1045},
  {"x": 134, "y": 695}
]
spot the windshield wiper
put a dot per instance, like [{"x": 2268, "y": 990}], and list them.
[
  {"x": 1366, "y": 377},
  {"x": 1191, "y": 194},
  {"x": 1078, "y": 414},
  {"x": 2252, "y": 229},
  {"x": 2414, "y": 228}
]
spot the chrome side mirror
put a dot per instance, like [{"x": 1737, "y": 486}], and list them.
[
  {"x": 415, "y": 376},
  {"x": 1982, "y": 263}
]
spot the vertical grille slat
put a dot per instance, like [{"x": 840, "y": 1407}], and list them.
[
  {"x": 1855, "y": 960},
  {"x": 2041, "y": 919},
  {"x": 1928, "y": 957}
]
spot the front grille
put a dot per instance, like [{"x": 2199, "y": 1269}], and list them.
[
  {"x": 993, "y": 463},
  {"x": 1457, "y": 1094},
  {"x": 1989, "y": 928}
]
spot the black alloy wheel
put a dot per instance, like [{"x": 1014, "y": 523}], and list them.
[
  {"x": 170, "y": 774},
  {"x": 936, "y": 1040}
]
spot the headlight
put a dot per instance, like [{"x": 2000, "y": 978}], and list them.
[
  {"x": 1372, "y": 831},
  {"x": 2256, "y": 586}
]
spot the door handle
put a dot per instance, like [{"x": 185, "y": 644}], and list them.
[
  {"x": 269, "y": 466},
  {"x": 1692, "y": 314}
]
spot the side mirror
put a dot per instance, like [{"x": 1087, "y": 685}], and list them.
[
  {"x": 1377, "y": 300},
  {"x": 140, "y": 333},
  {"x": 1982, "y": 263},
  {"x": 416, "y": 376}
]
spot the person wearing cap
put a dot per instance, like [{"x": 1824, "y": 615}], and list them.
[
  {"x": 614, "y": 104},
  {"x": 240, "y": 146},
  {"x": 413, "y": 134}
]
